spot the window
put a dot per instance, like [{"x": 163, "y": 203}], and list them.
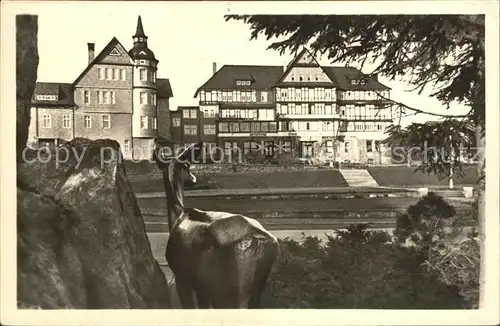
[
  {"x": 209, "y": 129},
  {"x": 86, "y": 97},
  {"x": 286, "y": 147},
  {"x": 301, "y": 78},
  {"x": 152, "y": 122},
  {"x": 116, "y": 73},
  {"x": 269, "y": 148},
  {"x": 144, "y": 122},
  {"x": 234, "y": 127},
  {"x": 122, "y": 75},
  {"x": 107, "y": 97},
  {"x": 101, "y": 73},
  {"x": 263, "y": 97},
  {"x": 46, "y": 121},
  {"x": 153, "y": 99},
  {"x": 106, "y": 121},
  {"x": 88, "y": 121},
  {"x": 245, "y": 126},
  {"x": 190, "y": 129},
  {"x": 99, "y": 97},
  {"x": 229, "y": 146},
  {"x": 250, "y": 146},
  {"x": 223, "y": 127},
  {"x": 126, "y": 146},
  {"x": 346, "y": 147},
  {"x": 66, "y": 121},
  {"x": 109, "y": 74},
  {"x": 329, "y": 146},
  {"x": 255, "y": 126},
  {"x": 143, "y": 74},
  {"x": 176, "y": 122},
  {"x": 369, "y": 148},
  {"x": 154, "y": 76},
  {"x": 47, "y": 97},
  {"x": 143, "y": 98},
  {"x": 113, "y": 97},
  {"x": 189, "y": 113},
  {"x": 264, "y": 126}
]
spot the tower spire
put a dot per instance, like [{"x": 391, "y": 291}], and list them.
[{"x": 140, "y": 30}]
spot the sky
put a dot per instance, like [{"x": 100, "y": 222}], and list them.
[{"x": 185, "y": 37}]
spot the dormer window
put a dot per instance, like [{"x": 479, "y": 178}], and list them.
[
  {"x": 243, "y": 82},
  {"x": 293, "y": 77},
  {"x": 47, "y": 97},
  {"x": 317, "y": 78},
  {"x": 362, "y": 82},
  {"x": 353, "y": 82},
  {"x": 309, "y": 78},
  {"x": 301, "y": 78}
]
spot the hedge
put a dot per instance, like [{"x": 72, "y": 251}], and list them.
[
  {"x": 421, "y": 266},
  {"x": 352, "y": 272}
]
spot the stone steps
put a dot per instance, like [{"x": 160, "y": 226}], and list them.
[{"x": 358, "y": 178}]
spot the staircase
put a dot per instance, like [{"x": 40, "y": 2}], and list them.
[{"x": 358, "y": 178}]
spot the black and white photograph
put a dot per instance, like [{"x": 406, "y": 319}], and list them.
[{"x": 322, "y": 162}]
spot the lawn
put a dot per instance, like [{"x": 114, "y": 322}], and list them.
[
  {"x": 407, "y": 176},
  {"x": 291, "y": 205},
  {"x": 253, "y": 180}
]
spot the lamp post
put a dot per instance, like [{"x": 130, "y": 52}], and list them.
[{"x": 451, "y": 164}]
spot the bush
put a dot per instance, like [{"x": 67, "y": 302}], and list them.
[
  {"x": 356, "y": 269},
  {"x": 430, "y": 227}
]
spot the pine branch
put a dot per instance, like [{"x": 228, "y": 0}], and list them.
[{"x": 422, "y": 111}]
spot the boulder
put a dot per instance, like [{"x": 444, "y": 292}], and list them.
[{"x": 82, "y": 241}]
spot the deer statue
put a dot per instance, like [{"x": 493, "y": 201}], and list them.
[{"x": 219, "y": 260}]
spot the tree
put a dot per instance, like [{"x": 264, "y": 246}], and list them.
[{"x": 445, "y": 52}]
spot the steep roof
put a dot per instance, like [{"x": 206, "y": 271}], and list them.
[
  {"x": 113, "y": 43},
  {"x": 262, "y": 77},
  {"x": 295, "y": 63},
  {"x": 163, "y": 88},
  {"x": 64, "y": 91},
  {"x": 139, "y": 32},
  {"x": 342, "y": 77}
]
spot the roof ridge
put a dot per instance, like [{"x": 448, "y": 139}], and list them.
[{"x": 232, "y": 65}]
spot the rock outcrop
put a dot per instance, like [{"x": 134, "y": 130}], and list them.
[
  {"x": 26, "y": 74},
  {"x": 81, "y": 237}
]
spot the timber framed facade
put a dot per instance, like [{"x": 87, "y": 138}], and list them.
[{"x": 331, "y": 113}]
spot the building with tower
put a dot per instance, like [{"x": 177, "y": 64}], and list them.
[{"x": 117, "y": 96}]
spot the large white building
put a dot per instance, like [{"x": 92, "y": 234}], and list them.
[{"x": 334, "y": 113}]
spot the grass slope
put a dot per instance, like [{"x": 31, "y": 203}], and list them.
[{"x": 407, "y": 176}]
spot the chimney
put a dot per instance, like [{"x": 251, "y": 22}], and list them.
[
  {"x": 91, "y": 47},
  {"x": 214, "y": 67}
]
